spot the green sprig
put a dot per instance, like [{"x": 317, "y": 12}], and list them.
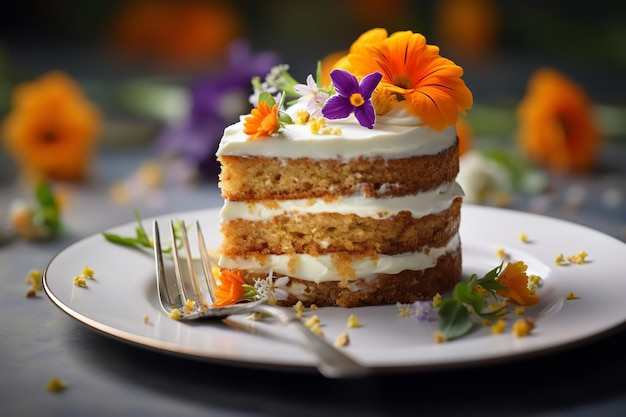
[
  {"x": 455, "y": 313},
  {"x": 141, "y": 238},
  {"x": 48, "y": 209}
]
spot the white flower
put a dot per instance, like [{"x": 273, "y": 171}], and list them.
[
  {"x": 312, "y": 95},
  {"x": 483, "y": 180},
  {"x": 280, "y": 293}
]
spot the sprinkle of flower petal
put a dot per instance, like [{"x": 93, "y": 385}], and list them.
[
  {"x": 498, "y": 327},
  {"x": 523, "y": 327},
  {"x": 571, "y": 296},
  {"x": 560, "y": 260},
  {"x": 579, "y": 258},
  {"x": 353, "y": 321}
]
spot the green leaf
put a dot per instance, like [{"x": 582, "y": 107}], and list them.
[
  {"x": 464, "y": 293},
  {"x": 121, "y": 240},
  {"x": 284, "y": 118},
  {"x": 318, "y": 74},
  {"x": 267, "y": 98},
  {"x": 48, "y": 206},
  {"x": 454, "y": 319},
  {"x": 490, "y": 281}
]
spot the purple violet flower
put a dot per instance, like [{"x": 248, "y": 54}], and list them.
[
  {"x": 217, "y": 100},
  {"x": 424, "y": 311},
  {"x": 352, "y": 97}
]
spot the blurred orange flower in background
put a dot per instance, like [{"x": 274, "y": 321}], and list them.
[
  {"x": 557, "y": 127},
  {"x": 51, "y": 128},
  {"x": 465, "y": 134},
  {"x": 179, "y": 35},
  {"x": 468, "y": 28}
]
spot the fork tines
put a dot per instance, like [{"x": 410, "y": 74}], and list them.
[{"x": 187, "y": 293}]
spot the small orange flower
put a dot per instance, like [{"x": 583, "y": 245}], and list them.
[
  {"x": 414, "y": 71},
  {"x": 556, "y": 125},
  {"x": 230, "y": 289},
  {"x": 262, "y": 122},
  {"x": 515, "y": 279},
  {"x": 51, "y": 128}
]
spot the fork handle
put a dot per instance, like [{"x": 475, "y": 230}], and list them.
[{"x": 331, "y": 362}]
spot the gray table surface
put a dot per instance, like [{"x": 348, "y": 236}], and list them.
[{"x": 107, "y": 377}]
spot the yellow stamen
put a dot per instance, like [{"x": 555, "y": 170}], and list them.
[{"x": 357, "y": 100}]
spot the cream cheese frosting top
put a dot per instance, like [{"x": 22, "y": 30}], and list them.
[{"x": 385, "y": 140}]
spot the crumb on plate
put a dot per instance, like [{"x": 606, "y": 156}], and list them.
[
  {"x": 55, "y": 385},
  {"x": 342, "y": 340},
  {"x": 353, "y": 321}
]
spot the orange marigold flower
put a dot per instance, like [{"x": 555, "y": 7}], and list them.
[
  {"x": 51, "y": 128},
  {"x": 556, "y": 123},
  {"x": 430, "y": 84},
  {"x": 230, "y": 289},
  {"x": 514, "y": 277},
  {"x": 262, "y": 122},
  {"x": 328, "y": 63}
]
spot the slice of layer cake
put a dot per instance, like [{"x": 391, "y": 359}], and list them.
[{"x": 354, "y": 209}]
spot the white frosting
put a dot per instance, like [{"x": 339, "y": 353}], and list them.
[
  {"x": 321, "y": 269},
  {"x": 385, "y": 140},
  {"x": 419, "y": 205}
]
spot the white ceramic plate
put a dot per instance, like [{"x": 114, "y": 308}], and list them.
[{"x": 123, "y": 294}]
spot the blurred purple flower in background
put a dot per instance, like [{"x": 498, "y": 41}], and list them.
[{"x": 216, "y": 101}]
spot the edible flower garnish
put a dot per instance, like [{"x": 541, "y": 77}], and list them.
[
  {"x": 379, "y": 74},
  {"x": 232, "y": 289},
  {"x": 266, "y": 119},
  {"x": 514, "y": 278},
  {"x": 352, "y": 97},
  {"x": 414, "y": 72},
  {"x": 262, "y": 122},
  {"x": 314, "y": 96},
  {"x": 468, "y": 299},
  {"x": 475, "y": 301}
]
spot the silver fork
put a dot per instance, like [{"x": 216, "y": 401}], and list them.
[{"x": 330, "y": 361}]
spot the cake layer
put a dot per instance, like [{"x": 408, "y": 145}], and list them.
[
  {"x": 323, "y": 233},
  {"x": 259, "y": 178},
  {"x": 404, "y": 287}
]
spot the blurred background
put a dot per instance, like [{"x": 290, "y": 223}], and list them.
[
  {"x": 166, "y": 77},
  {"x": 107, "y": 44}
]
